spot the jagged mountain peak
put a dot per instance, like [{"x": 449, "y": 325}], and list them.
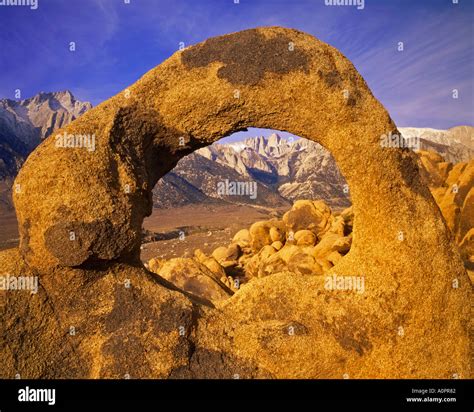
[
  {"x": 61, "y": 99},
  {"x": 25, "y": 123},
  {"x": 274, "y": 140}
]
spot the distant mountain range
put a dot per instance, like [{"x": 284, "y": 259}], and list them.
[
  {"x": 282, "y": 170},
  {"x": 455, "y": 144},
  {"x": 24, "y": 124}
]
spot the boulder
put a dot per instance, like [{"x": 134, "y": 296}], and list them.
[
  {"x": 331, "y": 243},
  {"x": 242, "y": 238},
  {"x": 154, "y": 265},
  {"x": 339, "y": 226},
  {"x": 214, "y": 267},
  {"x": 334, "y": 257},
  {"x": 227, "y": 256},
  {"x": 305, "y": 238},
  {"x": 220, "y": 254},
  {"x": 274, "y": 264},
  {"x": 195, "y": 278},
  {"x": 324, "y": 263},
  {"x": 276, "y": 234},
  {"x": 304, "y": 264},
  {"x": 290, "y": 257},
  {"x": 311, "y": 215},
  {"x": 200, "y": 255},
  {"x": 260, "y": 235},
  {"x": 277, "y": 245},
  {"x": 233, "y": 251},
  {"x": 266, "y": 252},
  {"x": 287, "y": 251},
  {"x": 254, "y": 264}
]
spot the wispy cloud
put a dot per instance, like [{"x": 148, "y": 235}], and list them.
[{"x": 118, "y": 42}]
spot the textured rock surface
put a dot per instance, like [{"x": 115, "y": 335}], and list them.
[
  {"x": 301, "y": 252},
  {"x": 195, "y": 278},
  {"x": 93, "y": 323},
  {"x": 452, "y": 187},
  {"x": 409, "y": 322}
]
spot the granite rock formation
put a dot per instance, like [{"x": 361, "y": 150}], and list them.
[
  {"x": 80, "y": 214},
  {"x": 452, "y": 187}
]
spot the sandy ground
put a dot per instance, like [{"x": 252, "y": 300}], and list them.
[{"x": 204, "y": 227}]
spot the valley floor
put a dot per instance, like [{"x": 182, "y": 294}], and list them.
[{"x": 204, "y": 226}]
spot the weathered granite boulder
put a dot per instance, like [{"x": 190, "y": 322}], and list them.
[{"x": 80, "y": 214}]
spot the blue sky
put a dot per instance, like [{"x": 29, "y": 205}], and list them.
[{"x": 116, "y": 43}]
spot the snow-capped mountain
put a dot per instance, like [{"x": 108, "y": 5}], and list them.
[
  {"x": 283, "y": 170},
  {"x": 25, "y": 123},
  {"x": 455, "y": 144}
]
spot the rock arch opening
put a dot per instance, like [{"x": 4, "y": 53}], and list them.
[{"x": 225, "y": 209}]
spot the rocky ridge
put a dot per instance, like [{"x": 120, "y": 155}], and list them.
[{"x": 24, "y": 125}]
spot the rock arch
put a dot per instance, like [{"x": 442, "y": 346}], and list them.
[{"x": 78, "y": 208}]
